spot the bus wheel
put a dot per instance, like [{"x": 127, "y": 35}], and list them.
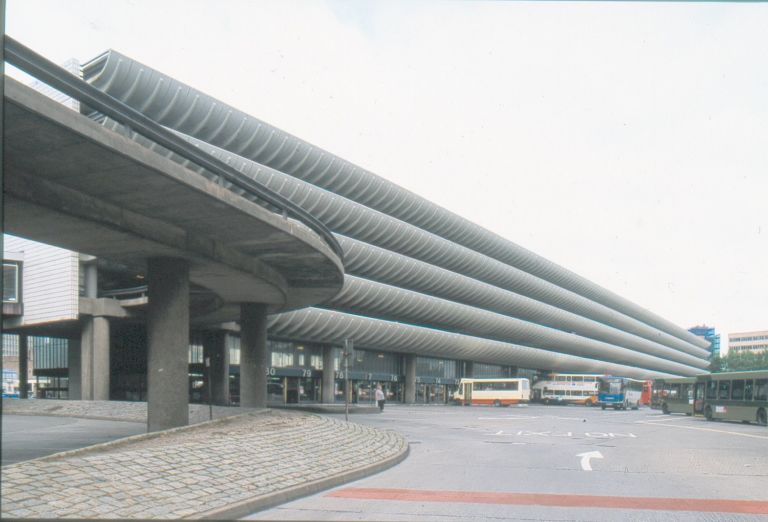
[
  {"x": 665, "y": 409},
  {"x": 602, "y": 406},
  {"x": 636, "y": 406},
  {"x": 497, "y": 403},
  {"x": 762, "y": 417},
  {"x": 588, "y": 403},
  {"x": 708, "y": 413}
]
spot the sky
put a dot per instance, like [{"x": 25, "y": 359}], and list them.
[{"x": 627, "y": 142}]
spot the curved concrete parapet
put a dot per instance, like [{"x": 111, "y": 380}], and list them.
[
  {"x": 395, "y": 269},
  {"x": 71, "y": 183},
  {"x": 328, "y": 326},
  {"x": 369, "y": 226},
  {"x": 393, "y": 303},
  {"x": 569, "y": 332},
  {"x": 222, "y": 469},
  {"x": 191, "y": 112}
]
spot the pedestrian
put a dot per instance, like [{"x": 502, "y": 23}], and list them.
[{"x": 380, "y": 397}]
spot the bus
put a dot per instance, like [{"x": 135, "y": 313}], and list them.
[
  {"x": 739, "y": 396},
  {"x": 566, "y": 388},
  {"x": 675, "y": 395},
  {"x": 619, "y": 392},
  {"x": 492, "y": 392}
]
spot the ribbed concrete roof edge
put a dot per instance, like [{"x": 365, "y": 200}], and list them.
[
  {"x": 375, "y": 299},
  {"x": 352, "y": 218},
  {"x": 181, "y": 107},
  {"x": 331, "y": 327}
]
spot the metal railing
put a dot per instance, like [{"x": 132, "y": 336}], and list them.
[{"x": 62, "y": 80}]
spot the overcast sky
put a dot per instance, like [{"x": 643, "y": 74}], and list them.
[{"x": 627, "y": 142}]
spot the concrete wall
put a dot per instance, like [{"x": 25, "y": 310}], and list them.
[{"x": 50, "y": 285}]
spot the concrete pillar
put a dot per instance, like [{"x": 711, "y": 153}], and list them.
[
  {"x": 410, "y": 379},
  {"x": 23, "y": 366},
  {"x": 168, "y": 343},
  {"x": 215, "y": 349},
  {"x": 94, "y": 359},
  {"x": 329, "y": 374},
  {"x": 91, "y": 281},
  {"x": 253, "y": 355},
  {"x": 74, "y": 372}
]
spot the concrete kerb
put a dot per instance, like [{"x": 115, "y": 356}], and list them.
[
  {"x": 89, "y": 417},
  {"x": 136, "y": 438},
  {"x": 259, "y": 503}
]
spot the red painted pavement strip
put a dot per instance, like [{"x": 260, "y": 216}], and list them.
[{"x": 546, "y": 499}]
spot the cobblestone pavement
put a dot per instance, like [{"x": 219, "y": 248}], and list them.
[
  {"x": 109, "y": 410},
  {"x": 196, "y": 469}
]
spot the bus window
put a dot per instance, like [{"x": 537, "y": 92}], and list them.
[
  {"x": 712, "y": 390},
  {"x": 724, "y": 390},
  {"x": 674, "y": 391},
  {"x": 748, "y": 390},
  {"x": 761, "y": 390},
  {"x": 737, "y": 390},
  {"x": 561, "y": 378},
  {"x": 577, "y": 378}
]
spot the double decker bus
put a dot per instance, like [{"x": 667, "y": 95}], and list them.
[
  {"x": 675, "y": 395},
  {"x": 492, "y": 392},
  {"x": 619, "y": 392},
  {"x": 566, "y": 388},
  {"x": 739, "y": 396}
]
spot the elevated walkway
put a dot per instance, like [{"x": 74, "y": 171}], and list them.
[{"x": 71, "y": 183}]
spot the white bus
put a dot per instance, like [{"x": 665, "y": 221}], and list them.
[
  {"x": 567, "y": 388},
  {"x": 492, "y": 392}
]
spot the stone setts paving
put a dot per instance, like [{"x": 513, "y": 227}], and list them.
[{"x": 188, "y": 471}]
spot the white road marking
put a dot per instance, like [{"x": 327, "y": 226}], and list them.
[
  {"x": 510, "y": 417},
  {"x": 499, "y": 432},
  {"x": 585, "y": 465},
  {"x": 704, "y": 429}
]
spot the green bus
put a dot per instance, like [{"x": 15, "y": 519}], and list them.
[
  {"x": 739, "y": 396},
  {"x": 676, "y": 395}
]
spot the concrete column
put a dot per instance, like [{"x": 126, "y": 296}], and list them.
[
  {"x": 168, "y": 343},
  {"x": 410, "y": 379},
  {"x": 253, "y": 355},
  {"x": 90, "y": 276},
  {"x": 215, "y": 349},
  {"x": 94, "y": 359},
  {"x": 23, "y": 366},
  {"x": 74, "y": 372},
  {"x": 328, "y": 375}
]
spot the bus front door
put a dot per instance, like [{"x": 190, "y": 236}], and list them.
[
  {"x": 698, "y": 398},
  {"x": 467, "y": 394}
]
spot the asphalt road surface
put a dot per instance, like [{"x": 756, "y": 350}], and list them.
[
  {"x": 29, "y": 437},
  {"x": 554, "y": 463}
]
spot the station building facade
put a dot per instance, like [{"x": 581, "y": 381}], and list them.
[{"x": 428, "y": 297}]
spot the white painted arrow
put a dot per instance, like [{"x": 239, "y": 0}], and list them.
[{"x": 585, "y": 459}]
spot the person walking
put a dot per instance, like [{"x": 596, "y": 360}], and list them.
[{"x": 380, "y": 397}]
